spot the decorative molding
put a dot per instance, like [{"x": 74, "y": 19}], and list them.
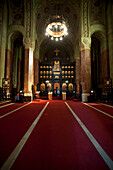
[
  {"x": 17, "y": 12},
  {"x": 28, "y": 23},
  {"x": 85, "y": 43},
  {"x": 96, "y": 12},
  {"x": 28, "y": 43},
  {"x": 85, "y": 18},
  {"x": 28, "y": 39}
]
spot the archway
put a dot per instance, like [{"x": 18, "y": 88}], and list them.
[
  {"x": 18, "y": 64},
  {"x": 56, "y": 89},
  {"x": 95, "y": 63},
  {"x": 99, "y": 62},
  {"x": 15, "y": 62}
]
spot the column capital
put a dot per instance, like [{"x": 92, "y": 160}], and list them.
[
  {"x": 28, "y": 43},
  {"x": 85, "y": 43}
]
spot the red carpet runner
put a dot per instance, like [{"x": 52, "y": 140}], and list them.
[{"x": 57, "y": 142}]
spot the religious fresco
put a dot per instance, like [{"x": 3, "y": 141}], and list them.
[{"x": 56, "y": 66}]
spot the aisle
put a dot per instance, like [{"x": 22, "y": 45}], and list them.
[
  {"x": 58, "y": 143},
  {"x": 54, "y": 140}
]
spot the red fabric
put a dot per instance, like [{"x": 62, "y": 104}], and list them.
[
  {"x": 9, "y": 108},
  {"x": 4, "y": 103},
  {"x": 100, "y": 125},
  {"x": 58, "y": 143},
  {"x": 14, "y": 126},
  {"x": 104, "y": 108}
]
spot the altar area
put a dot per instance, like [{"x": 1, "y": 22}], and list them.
[{"x": 57, "y": 80}]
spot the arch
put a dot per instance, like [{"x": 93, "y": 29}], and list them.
[
  {"x": 99, "y": 60},
  {"x": 102, "y": 38},
  {"x": 56, "y": 85},
  {"x": 12, "y": 36},
  {"x": 47, "y": 48},
  {"x": 16, "y": 28},
  {"x": 15, "y": 56},
  {"x": 95, "y": 63}
]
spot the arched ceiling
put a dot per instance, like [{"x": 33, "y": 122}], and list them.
[
  {"x": 48, "y": 47},
  {"x": 71, "y": 12}
]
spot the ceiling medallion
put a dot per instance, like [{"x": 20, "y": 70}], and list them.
[{"x": 56, "y": 27}]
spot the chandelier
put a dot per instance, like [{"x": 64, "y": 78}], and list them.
[{"x": 56, "y": 27}]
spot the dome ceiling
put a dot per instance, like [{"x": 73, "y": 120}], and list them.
[{"x": 70, "y": 12}]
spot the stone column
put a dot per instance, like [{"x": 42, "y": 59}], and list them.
[
  {"x": 28, "y": 67},
  {"x": 85, "y": 52},
  {"x": 26, "y": 70},
  {"x": 85, "y": 68},
  {"x": 29, "y": 52}
]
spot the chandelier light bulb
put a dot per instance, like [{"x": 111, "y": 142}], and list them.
[
  {"x": 56, "y": 26},
  {"x": 56, "y": 39},
  {"x": 50, "y": 26},
  {"x": 52, "y": 38},
  {"x": 58, "y": 23},
  {"x": 61, "y": 38},
  {"x": 62, "y": 26}
]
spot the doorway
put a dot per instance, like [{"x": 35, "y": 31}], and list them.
[{"x": 56, "y": 90}]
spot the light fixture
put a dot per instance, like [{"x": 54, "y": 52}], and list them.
[
  {"x": 66, "y": 81},
  {"x": 56, "y": 27},
  {"x": 47, "y": 81}
]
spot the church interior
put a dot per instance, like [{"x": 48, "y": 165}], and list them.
[
  {"x": 56, "y": 58},
  {"x": 82, "y": 50}
]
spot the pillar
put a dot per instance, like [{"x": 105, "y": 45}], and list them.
[
  {"x": 85, "y": 54},
  {"x": 28, "y": 71},
  {"x": 85, "y": 68}
]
